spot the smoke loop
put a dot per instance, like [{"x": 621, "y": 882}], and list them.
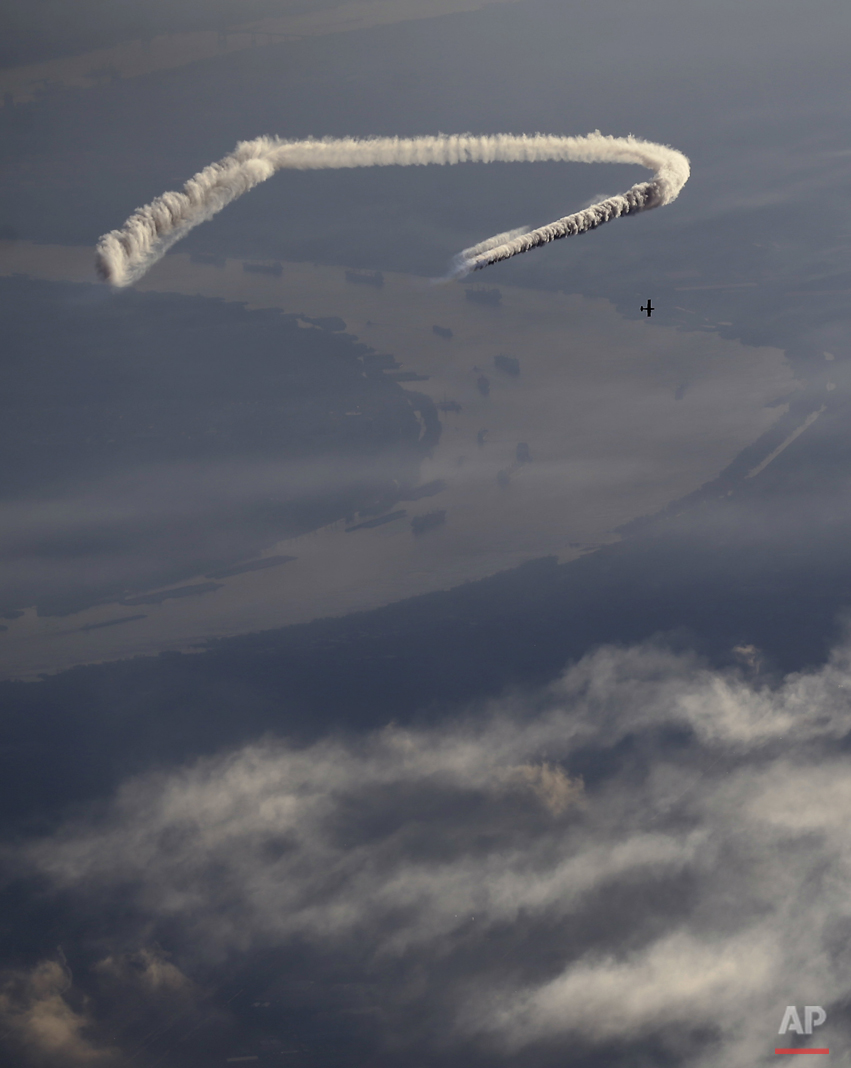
[{"x": 124, "y": 255}]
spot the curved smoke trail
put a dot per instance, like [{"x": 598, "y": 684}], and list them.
[{"x": 124, "y": 255}]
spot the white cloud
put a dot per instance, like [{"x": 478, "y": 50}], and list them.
[
  {"x": 36, "y": 1014},
  {"x": 691, "y": 889}
]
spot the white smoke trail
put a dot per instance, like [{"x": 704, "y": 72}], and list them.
[
  {"x": 459, "y": 262},
  {"x": 124, "y": 255}
]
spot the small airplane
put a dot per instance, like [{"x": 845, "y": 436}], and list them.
[{"x": 648, "y": 308}]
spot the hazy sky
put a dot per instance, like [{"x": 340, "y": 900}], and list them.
[{"x": 401, "y": 674}]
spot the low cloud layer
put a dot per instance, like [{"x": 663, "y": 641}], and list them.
[
  {"x": 41, "y": 1022},
  {"x": 649, "y": 859},
  {"x": 51, "y": 1019}
]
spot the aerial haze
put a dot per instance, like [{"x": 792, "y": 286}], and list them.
[{"x": 395, "y": 672}]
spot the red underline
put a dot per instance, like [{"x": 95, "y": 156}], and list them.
[{"x": 802, "y": 1051}]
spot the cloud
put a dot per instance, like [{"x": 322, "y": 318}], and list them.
[
  {"x": 147, "y": 970},
  {"x": 549, "y": 784},
  {"x": 647, "y": 853},
  {"x": 35, "y": 1012},
  {"x": 106, "y": 1017}
]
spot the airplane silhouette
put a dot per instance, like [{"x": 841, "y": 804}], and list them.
[{"x": 649, "y": 309}]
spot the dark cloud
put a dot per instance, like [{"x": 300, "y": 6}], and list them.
[
  {"x": 53, "y": 1018},
  {"x": 647, "y": 854}
]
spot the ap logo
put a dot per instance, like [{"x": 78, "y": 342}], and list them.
[{"x": 814, "y": 1016}]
